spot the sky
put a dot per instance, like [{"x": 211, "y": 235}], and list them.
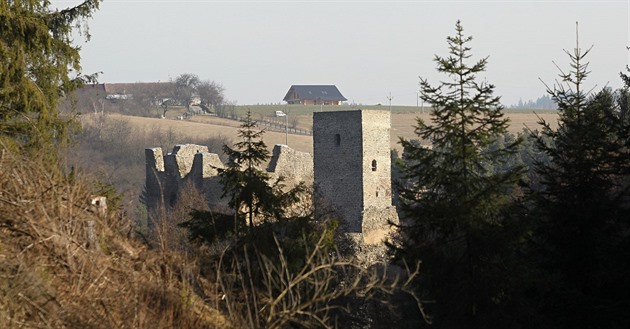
[{"x": 368, "y": 49}]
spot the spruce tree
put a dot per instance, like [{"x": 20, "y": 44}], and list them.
[
  {"x": 39, "y": 66},
  {"x": 249, "y": 189},
  {"x": 453, "y": 200},
  {"x": 583, "y": 206}
]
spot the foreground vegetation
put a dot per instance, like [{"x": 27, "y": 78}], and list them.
[
  {"x": 527, "y": 231},
  {"x": 69, "y": 264},
  {"x": 534, "y": 239}
]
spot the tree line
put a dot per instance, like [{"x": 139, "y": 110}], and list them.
[
  {"x": 510, "y": 244},
  {"x": 509, "y": 231},
  {"x": 151, "y": 99},
  {"x": 544, "y": 102},
  {"x": 512, "y": 231}
]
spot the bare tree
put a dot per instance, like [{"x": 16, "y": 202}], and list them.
[
  {"x": 210, "y": 94},
  {"x": 186, "y": 89},
  {"x": 150, "y": 96}
]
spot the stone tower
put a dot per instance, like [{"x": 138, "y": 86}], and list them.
[{"x": 351, "y": 152}]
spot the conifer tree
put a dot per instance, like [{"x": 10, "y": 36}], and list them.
[
  {"x": 583, "y": 207},
  {"x": 452, "y": 199},
  {"x": 252, "y": 194},
  {"x": 39, "y": 65},
  {"x": 248, "y": 187}
]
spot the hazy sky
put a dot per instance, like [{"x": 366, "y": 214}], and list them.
[{"x": 258, "y": 49}]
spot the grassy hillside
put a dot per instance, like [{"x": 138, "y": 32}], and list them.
[
  {"x": 269, "y": 110},
  {"x": 112, "y": 146},
  {"x": 66, "y": 263}
]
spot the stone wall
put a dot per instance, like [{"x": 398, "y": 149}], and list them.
[
  {"x": 353, "y": 169},
  {"x": 294, "y": 166},
  {"x": 377, "y": 175},
  {"x": 337, "y": 154},
  {"x": 167, "y": 174},
  {"x": 350, "y": 170}
]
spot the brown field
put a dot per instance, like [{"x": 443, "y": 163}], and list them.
[{"x": 402, "y": 125}]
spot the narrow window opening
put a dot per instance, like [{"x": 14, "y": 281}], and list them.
[
  {"x": 373, "y": 165},
  {"x": 337, "y": 139}
]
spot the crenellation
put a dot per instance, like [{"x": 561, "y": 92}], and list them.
[
  {"x": 350, "y": 170},
  {"x": 294, "y": 166},
  {"x": 189, "y": 163},
  {"x": 205, "y": 176},
  {"x": 154, "y": 158},
  {"x": 182, "y": 158},
  {"x": 205, "y": 165}
]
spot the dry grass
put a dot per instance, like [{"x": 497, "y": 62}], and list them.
[
  {"x": 320, "y": 292},
  {"x": 64, "y": 264},
  {"x": 402, "y": 126}
]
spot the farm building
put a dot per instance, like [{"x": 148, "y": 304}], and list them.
[
  {"x": 314, "y": 95},
  {"x": 157, "y": 90},
  {"x": 154, "y": 91}
]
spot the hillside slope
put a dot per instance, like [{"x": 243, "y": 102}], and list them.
[
  {"x": 65, "y": 263},
  {"x": 402, "y": 126}
]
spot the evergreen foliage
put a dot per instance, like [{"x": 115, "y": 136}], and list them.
[
  {"x": 39, "y": 66},
  {"x": 544, "y": 102},
  {"x": 454, "y": 199},
  {"x": 583, "y": 207},
  {"x": 250, "y": 193},
  {"x": 246, "y": 185}
]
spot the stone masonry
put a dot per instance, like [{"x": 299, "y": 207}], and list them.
[
  {"x": 167, "y": 174},
  {"x": 350, "y": 170},
  {"x": 352, "y": 167}
]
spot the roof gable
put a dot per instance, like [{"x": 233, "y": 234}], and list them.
[{"x": 315, "y": 92}]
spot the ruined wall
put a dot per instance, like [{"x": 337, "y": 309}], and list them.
[
  {"x": 353, "y": 169},
  {"x": 338, "y": 161},
  {"x": 294, "y": 166},
  {"x": 167, "y": 174},
  {"x": 350, "y": 170},
  {"x": 377, "y": 175}
]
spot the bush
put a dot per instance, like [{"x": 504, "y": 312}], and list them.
[{"x": 67, "y": 264}]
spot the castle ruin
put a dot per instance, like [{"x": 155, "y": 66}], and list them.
[{"x": 350, "y": 170}]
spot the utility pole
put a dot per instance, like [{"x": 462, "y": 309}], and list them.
[{"x": 389, "y": 97}]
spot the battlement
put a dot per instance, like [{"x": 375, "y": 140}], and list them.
[
  {"x": 167, "y": 174},
  {"x": 350, "y": 170}
]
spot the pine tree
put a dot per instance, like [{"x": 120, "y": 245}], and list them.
[
  {"x": 453, "y": 200},
  {"x": 252, "y": 195},
  {"x": 248, "y": 188},
  {"x": 39, "y": 66},
  {"x": 583, "y": 206}
]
